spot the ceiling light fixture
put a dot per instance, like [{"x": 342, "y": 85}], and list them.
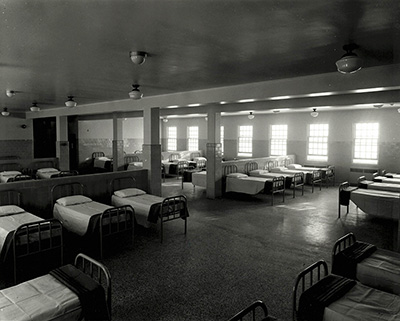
[
  {"x": 350, "y": 62},
  {"x": 314, "y": 113},
  {"x": 5, "y": 112},
  {"x": 135, "y": 93},
  {"x": 70, "y": 102},
  {"x": 34, "y": 107},
  {"x": 378, "y": 106},
  {"x": 138, "y": 57},
  {"x": 165, "y": 119},
  {"x": 250, "y": 115},
  {"x": 10, "y": 93}
]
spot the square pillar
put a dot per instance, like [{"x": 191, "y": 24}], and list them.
[
  {"x": 214, "y": 155},
  {"x": 118, "y": 144},
  {"x": 62, "y": 143}
]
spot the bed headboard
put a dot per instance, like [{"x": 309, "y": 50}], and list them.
[
  {"x": 193, "y": 155},
  {"x": 201, "y": 162},
  {"x": 228, "y": 169},
  {"x": 174, "y": 156},
  {"x": 121, "y": 183},
  {"x": 131, "y": 158},
  {"x": 10, "y": 197},
  {"x": 343, "y": 243},
  {"x": 270, "y": 165},
  {"x": 10, "y": 167},
  {"x": 287, "y": 161},
  {"x": 305, "y": 279},
  {"x": 98, "y": 154},
  {"x": 66, "y": 189},
  {"x": 250, "y": 166}
]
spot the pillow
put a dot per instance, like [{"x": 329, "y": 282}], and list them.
[
  {"x": 127, "y": 192},
  {"x": 294, "y": 166},
  {"x": 47, "y": 170},
  {"x": 10, "y": 173},
  {"x": 200, "y": 158},
  {"x": 73, "y": 200},
  {"x": 277, "y": 169},
  {"x": 237, "y": 175},
  {"x": 10, "y": 209}
]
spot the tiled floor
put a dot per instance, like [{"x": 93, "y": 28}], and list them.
[{"x": 238, "y": 249}]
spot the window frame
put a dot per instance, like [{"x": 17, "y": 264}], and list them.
[
  {"x": 244, "y": 140},
  {"x": 278, "y": 141},
  {"x": 317, "y": 141},
  {"x": 172, "y": 141},
  {"x": 371, "y": 141},
  {"x": 192, "y": 140}
]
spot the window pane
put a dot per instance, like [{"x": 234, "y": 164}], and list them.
[
  {"x": 193, "y": 138},
  {"x": 172, "y": 138},
  {"x": 366, "y": 143},
  {"x": 318, "y": 142},
  {"x": 222, "y": 139},
  {"x": 278, "y": 140},
  {"x": 245, "y": 141}
]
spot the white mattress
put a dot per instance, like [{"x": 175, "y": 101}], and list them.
[
  {"x": 379, "y": 203},
  {"x": 43, "y": 298},
  {"x": 4, "y": 177},
  {"x": 384, "y": 179},
  {"x": 362, "y": 303},
  {"x": 75, "y": 218},
  {"x": 199, "y": 179},
  {"x": 266, "y": 174},
  {"x": 247, "y": 185},
  {"x": 381, "y": 270},
  {"x": 100, "y": 162},
  {"x": 135, "y": 165},
  {"x": 390, "y": 187},
  {"x": 47, "y": 173},
  {"x": 141, "y": 204}
]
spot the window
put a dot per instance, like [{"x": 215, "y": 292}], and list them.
[
  {"x": 366, "y": 143},
  {"x": 245, "y": 141},
  {"x": 318, "y": 142},
  {"x": 222, "y": 139},
  {"x": 172, "y": 137},
  {"x": 278, "y": 140},
  {"x": 193, "y": 138}
]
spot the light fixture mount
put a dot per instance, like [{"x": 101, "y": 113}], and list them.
[
  {"x": 349, "y": 63},
  {"x": 70, "y": 102},
  {"x": 135, "y": 93},
  {"x": 250, "y": 115},
  {"x": 138, "y": 57},
  {"x": 10, "y": 93},
  {"x": 5, "y": 112},
  {"x": 314, "y": 113},
  {"x": 34, "y": 107}
]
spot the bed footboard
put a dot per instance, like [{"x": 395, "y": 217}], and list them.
[
  {"x": 97, "y": 272},
  {"x": 255, "y": 311},
  {"x": 316, "y": 178},
  {"x": 278, "y": 186},
  {"x": 116, "y": 221},
  {"x": 10, "y": 197},
  {"x": 298, "y": 181},
  {"x": 304, "y": 280},
  {"x": 250, "y": 166},
  {"x": 37, "y": 241},
  {"x": 173, "y": 208}
]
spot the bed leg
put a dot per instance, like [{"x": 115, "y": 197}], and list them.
[
  {"x": 161, "y": 230},
  {"x": 185, "y": 225}
]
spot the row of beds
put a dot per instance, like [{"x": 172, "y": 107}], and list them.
[
  {"x": 273, "y": 179},
  {"x": 364, "y": 284},
  {"x": 14, "y": 172},
  {"x": 68, "y": 292}
]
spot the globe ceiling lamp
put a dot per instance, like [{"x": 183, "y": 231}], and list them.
[
  {"x": 34, "y": 107},
  {"x": 135, "y": 93},
  {"x": 314, "y": 113},
  {"x": 349, "y": 63},
  {"x": 138, "y": 57},
  {"x": 250, "y": 115},
  {"x": 10, "y": 93},
  {"x": 70, "y": 102},
  {"x": 165, "y": 119},
  {"x": 5, "y": 112}
]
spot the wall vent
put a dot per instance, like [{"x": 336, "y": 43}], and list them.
[{"x": 363, "y": 170}]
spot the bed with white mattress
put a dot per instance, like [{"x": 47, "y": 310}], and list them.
[
  {"x": 148, "y": 208},
  {"x": 84, "y": 217},
  {"x": 199, "y": 179},
  {"x": 51, "y": 298},
  {"x": 384, "y": 179},
  {"x": 372, "y": 266},
  {"x": 380, "y": 186},
  {"x": 319, "y": 296}
]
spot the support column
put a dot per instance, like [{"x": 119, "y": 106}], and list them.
[
  {"x": 214, "y": 155},
  {"x": 62, "y": 143},
  {"x": 152, "y": 149},
  {"x": 118, "y": 144}
]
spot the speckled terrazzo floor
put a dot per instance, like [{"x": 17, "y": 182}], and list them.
[{"x": 238, "y": 249}]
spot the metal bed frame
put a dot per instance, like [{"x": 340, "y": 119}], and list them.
[
  {"x": 117, "y": 220},
  {"x": 10, "y": 197},
  {"x": 342, "y": 187},
  {"x": 170, "y": 208},
  {"x": 254, "y": 310},
  {"x": 277, "y": 186},
  {"x": 193, "y": 155},
  {"x": 98, "y": 154},
  {"x": 307, "y": 278},
  {"x": 39, "y": 240}
]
